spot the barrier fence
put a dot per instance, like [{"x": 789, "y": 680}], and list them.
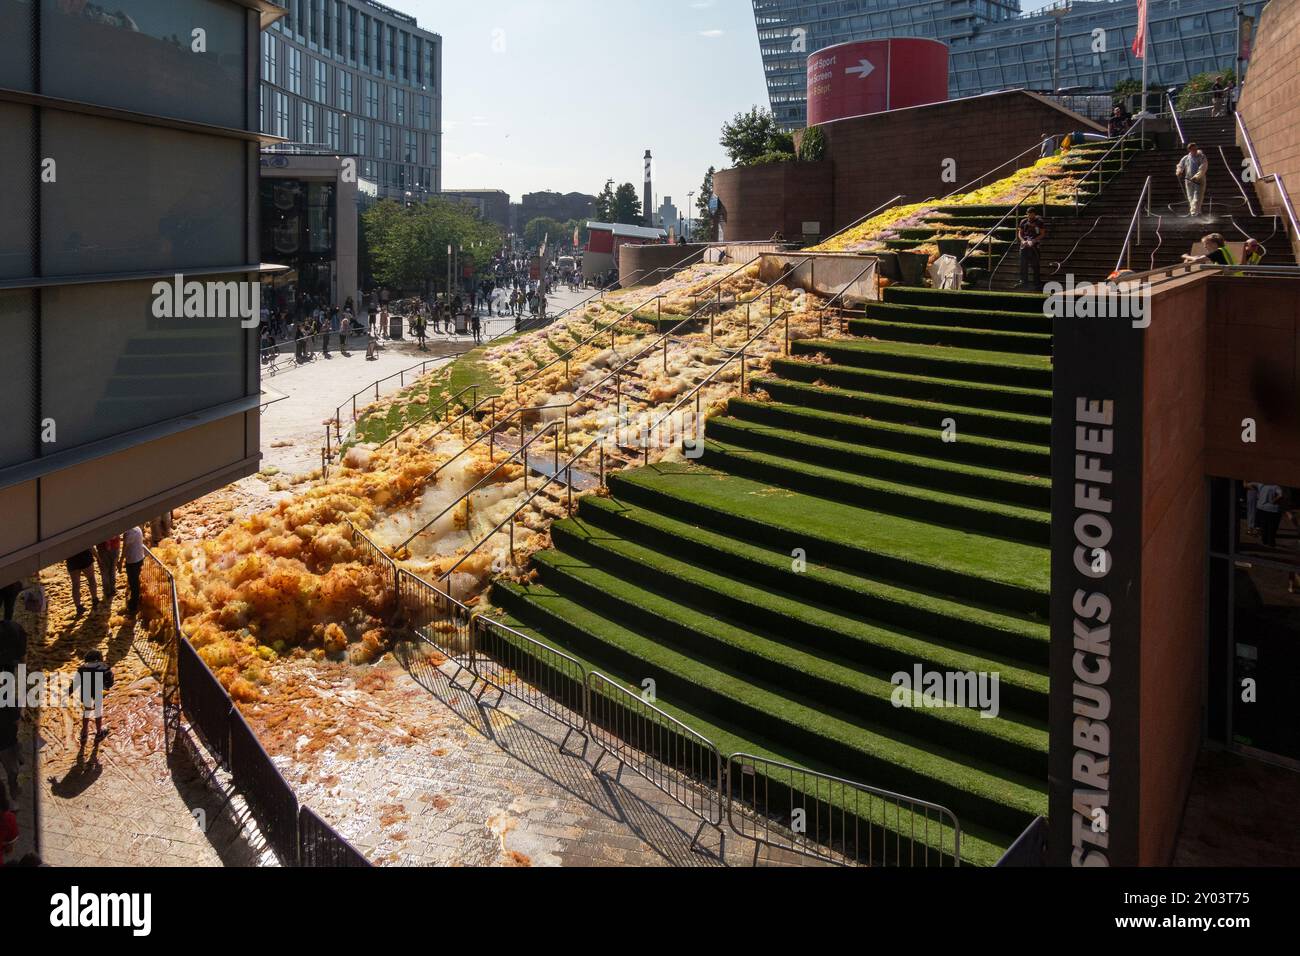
[
  {"x": 298, "y": 836},
  {"x": 808, "y": 813}
]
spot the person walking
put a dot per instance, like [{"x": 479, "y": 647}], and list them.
[
  {"x": 1193, "y": 170},
  {"x": 328, "y": 328},
  {"x": 132, "y": 562},
  {"x": 89, "y": 684},
  {"x": 13, "y": 651},
  {"x": 82, "y": 565},
  {"x": 106, "y": 555},
  {"x": 476, "y": 326},
  {"x": 1031, "y": 232}
]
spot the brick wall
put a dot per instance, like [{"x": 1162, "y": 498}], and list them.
[
  {"x": 871, "y": 159},
  {"x": 1270, "y": 99}
]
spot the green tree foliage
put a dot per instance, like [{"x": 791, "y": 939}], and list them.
[
  {"x": 702, "y": 225},
  {"x": 749, "y": 135},
  {"x": 535, "y": 233},
  {"x": 627, "y": 205},
  {"x": 1194, "y": 94},
  {"x": 408, "y": 245},
  {"x": 605, "y": 203},
  {"x": 812, "y": 145}
]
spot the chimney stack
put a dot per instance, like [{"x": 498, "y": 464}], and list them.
[{"x": 647, "y": 201}]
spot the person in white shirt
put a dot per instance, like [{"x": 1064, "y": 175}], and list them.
[{"x": 133, "y": 561}]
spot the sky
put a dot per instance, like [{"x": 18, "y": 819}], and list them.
[{"x": 566, "y": 94}]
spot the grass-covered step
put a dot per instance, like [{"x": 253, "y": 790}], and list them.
[
  {"x": 1008, "y": 739},
  {"x": 869, "y": 622},
  {"x": 971, "y": 786},
  {"x": 1010, "y": 398},
  {"x": 923, "y": 471},
  {"x": 954, "y": 299},
  {"x": 993, "y": 572},
  {"x": 965, "y": 318},
  {"x": 1053, "y": 209},
  {"x": 996, "y": 340},
  {"x": 967, "y": 420},
  {"x": 998, "y": 368},
  {"x": 988, "y": 517},
  {"x": 980, "y": 845},
  {"x": 830, "y": 413}
]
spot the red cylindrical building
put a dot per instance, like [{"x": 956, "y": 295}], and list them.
[{"x": 871, "y": 76}]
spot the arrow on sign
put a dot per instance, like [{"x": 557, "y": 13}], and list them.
[{"x": 864, "y": 69}]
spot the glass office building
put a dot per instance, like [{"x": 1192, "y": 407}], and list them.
[
  {"x": 360, "y": 79},
  {"x": 995, "y": 47}
]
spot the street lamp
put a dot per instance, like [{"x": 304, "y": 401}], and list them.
[{"x": 690, "y": 205}]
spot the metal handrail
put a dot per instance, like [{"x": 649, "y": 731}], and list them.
[
  {"x": 1135, "y": 226},
  {"x": 1009, "y": 214},
  {"x": 1178, "y": 124},
  {"x": 1275, "y": 177},
  {"x": 1037, "y": 146},
  {"x": 1118, "y": 144},
  {"x": 567, "y": 467},
  {"x": 482, "y": 482},
  {"x": 861, "y": 219},
  {"x": 424, "y": 418},
  {"x": 460, "y": 419}
]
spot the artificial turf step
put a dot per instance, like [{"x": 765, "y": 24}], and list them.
[
  {"x": 922, "y": 471},
  {"x": 997, "y": 368},
  {"x": 829, "y": 413},
  {"x": 999, "y": 320},
  {"x": 954, "y": 629},
  {"x": 952, "y": 391},
  {"x": 963, "y": 565},
  {"x": 988, "y": 517},
  {"x": 980, "y": 845},
  {"x": 638, "y": 602},
  {"x": 997, "y": 340},
  {"x": 970, "y": 420},
  {"x": 977, "y": 790},
  {"x": 954, "y": 299}
]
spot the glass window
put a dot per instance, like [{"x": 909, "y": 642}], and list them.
[
  {"x": 332, "y": 137},
  {"x": 125, "y": 368},
  {"x": 136, "y": 198},
  {"x": 372, "y": 99},
  {"x": 397, "y": 106},
  {"x": 137, "y": 55},
  {"x": 411, "y": 146},
  {"x": 385, "y": 134},
  {"x": 295, "y": 70},
  {"x": 424, "y": 118},
  {"x": 270, "y": 57},
  {"x": 319, "y": 81},
  {"x": 280, "y": 121},
  {"x": 308, "y": 124},
  {"x": 345, "y": 91},
  {"x": 16, "y": 47},
  {"x": 359, "y": 137}
]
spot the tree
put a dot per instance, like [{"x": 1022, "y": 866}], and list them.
[
  {"x": 627, "y": 205},
  {"x": 537, "y": 230},
  {"x": 703, "y": 225},
  {"x": 408, "y": 245},
  {"x": 811, "y": 145},
  {"x": 748, "y": 135},
  {"x": 605, "y": 203}
]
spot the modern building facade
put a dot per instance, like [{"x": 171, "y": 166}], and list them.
[
  {"x": 309, "y": 208},
  {"x": 561, "y": 207},
  {"x": 994, "y": 47},
  {"x": 361, "y": 79},
  {"x": 492, "y": 205},
  {"x": 128, "y": 264}
]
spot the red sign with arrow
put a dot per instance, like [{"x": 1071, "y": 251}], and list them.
[{"x": 871, "y": 76}]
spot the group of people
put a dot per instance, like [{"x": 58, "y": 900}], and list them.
[
  {"x": 125, "y": 553},
  {"x": 319, "y": 323}
]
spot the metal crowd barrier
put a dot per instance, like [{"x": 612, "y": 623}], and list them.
[
  {"x": 682, "y": 763},
  {"x": 835, "y": 820}
]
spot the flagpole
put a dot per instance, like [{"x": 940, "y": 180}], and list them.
[{"x": 1146, "y": 48}]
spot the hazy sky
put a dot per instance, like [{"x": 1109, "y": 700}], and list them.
[{"x": 565, "y": 94}]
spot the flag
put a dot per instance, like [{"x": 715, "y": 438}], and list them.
[
  {"x": 576, "y": 237},
  {"x": 1140, "y": 41}
]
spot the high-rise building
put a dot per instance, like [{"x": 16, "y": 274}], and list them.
[
  {"x": 128, "y": 265},
  {"x": 995, "y": 47},
  {"x": 363, "y": 80}
]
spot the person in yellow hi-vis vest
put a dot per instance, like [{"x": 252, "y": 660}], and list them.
[{"x": 1216, "y": 252}]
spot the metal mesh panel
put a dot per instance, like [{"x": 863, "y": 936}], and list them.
[
  {"x": 18, "y": 372},
  {"x": 132, "y": 198},
  {"x": 139, "y": 55},
  {"x": 16, "y": 187}
]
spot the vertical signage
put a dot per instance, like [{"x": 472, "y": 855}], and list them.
[{"x": 1094, "y": 760}]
